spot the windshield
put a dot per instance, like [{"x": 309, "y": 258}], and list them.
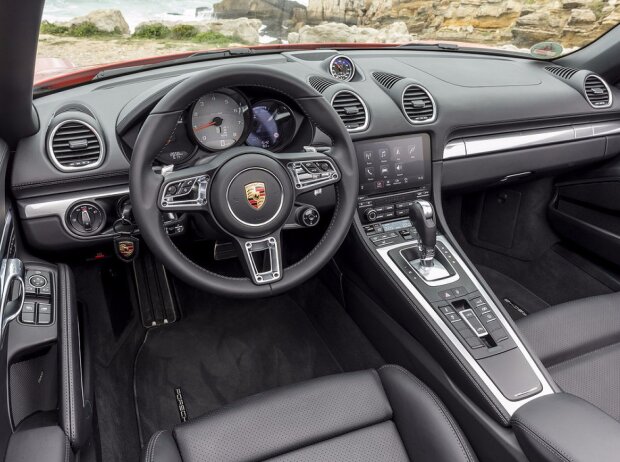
[{"x": 80, "y": 34}]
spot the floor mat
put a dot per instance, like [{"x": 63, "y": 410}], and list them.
[
  {"x": 222, "y": 351},
  {"x": 517, "y": 300}
]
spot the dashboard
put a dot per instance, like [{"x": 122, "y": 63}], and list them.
[{"x": 420, "y": 121}]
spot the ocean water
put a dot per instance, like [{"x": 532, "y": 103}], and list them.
[{"x": 134, "y": 11}]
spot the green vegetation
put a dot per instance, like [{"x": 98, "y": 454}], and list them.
[
  {"x": 83, "y": 29},
  {"x": 183, "y": 32},
  {"x": 217, "y": 39},
  {"x": 152, "y": 31}
]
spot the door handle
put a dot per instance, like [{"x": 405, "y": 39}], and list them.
[{"x": 12, "y": 273}]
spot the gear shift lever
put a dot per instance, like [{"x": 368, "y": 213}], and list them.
[
  {"x": 430, "y": 269},
  {"x": 423, "y": 216}
]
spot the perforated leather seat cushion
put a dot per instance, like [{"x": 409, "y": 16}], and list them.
[
  {"x": 385, "y": 415},
  {"x": 579, "y": 343}
]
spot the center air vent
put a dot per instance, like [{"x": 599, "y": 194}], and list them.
[
  {"x": 386, "y": 79},
  {"x": 75, "y": 145},
  {"x": 351, "y": 110},
  {"x": 418, "y": 105},
  {"x": 561, "y": 71},
  {"x": 597, "y": 92}
]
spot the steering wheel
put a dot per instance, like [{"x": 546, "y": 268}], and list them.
[{"x": 249, "y": 193}]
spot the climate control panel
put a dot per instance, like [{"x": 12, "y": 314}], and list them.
[{"x": 373, "y": 209}]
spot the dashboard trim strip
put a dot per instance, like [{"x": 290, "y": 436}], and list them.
[
  {"x": 35, "y": 208},
  {"x": 527, "y": 139},
  {"x": 510, "y": 406}
]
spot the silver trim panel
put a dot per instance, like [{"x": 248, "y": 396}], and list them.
[
  {"x": 508, "y": 405},
  {"x": 274, "y": 273},
  {"x": 36, "y": 208},
  {"x": 527, "y": 139}
]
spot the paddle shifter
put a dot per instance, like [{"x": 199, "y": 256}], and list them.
[{"x": 423, "y": 216}]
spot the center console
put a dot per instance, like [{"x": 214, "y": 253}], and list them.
[{"x": 399, "y": 226}]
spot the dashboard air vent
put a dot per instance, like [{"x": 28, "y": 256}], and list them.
[
  {"x": 75, "y": 145},
  {"x": 597, "y": 91},
  {"x": 351, "y": 110},
  {"x": 320, "y": 84},
  {"x": 561, "y": 71},
  {"x": 386, "y": 79},
  {"x": 418, "y": 105}
]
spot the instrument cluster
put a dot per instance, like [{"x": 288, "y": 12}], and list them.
[{"x": 227, "y": 117}]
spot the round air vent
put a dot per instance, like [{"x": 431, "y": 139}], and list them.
[
  {"x": 75, "y": 145},
  {"x": 352, "y": 110},
  {"x": 418, "y": 105},
  {"x": 597, "y": 92}
]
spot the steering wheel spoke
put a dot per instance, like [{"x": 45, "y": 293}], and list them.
[
  {"x": 310, "y": 170},
  {"x": 262, "y": 258},
  {"x": 185, "y": 190}
]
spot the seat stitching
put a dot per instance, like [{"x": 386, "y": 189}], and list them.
[
  {"x": 440, "y": 406},
  {"x": 155, "y": 445},
  {"x": 522, "y": 425},
  {"x": 150, "y": 456}
]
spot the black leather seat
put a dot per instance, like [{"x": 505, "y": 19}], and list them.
[
  {"x": 579, "y": 343},
  {"x": 386, "y": 415}
]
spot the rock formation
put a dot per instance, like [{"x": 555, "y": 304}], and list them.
[
  {"x": 111, "y": 21},
  {"x": 493, "y": 22},
  {"x": 277, "y": 15}
]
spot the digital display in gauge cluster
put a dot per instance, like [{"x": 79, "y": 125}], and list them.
[{"x": 273, "y": 125}]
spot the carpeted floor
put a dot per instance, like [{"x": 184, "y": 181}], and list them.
[{"x": 224, "y": 350}]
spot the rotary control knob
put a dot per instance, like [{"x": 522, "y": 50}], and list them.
[
  {"x": 308, "y": 216},
  {"x": 86, "y": 218},
  {"x": 371, "y": 215}
]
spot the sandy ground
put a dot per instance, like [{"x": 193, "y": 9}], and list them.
[{"x": 83, "y": 52}]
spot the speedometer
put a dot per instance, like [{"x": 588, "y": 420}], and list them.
[
  {"x": 342, "y": 68},
  {"x": 220, "y": 119}
]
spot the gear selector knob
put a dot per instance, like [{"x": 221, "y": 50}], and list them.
[{"x": 423, "y": 215}]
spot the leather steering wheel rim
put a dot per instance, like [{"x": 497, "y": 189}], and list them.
[{"x": 145, "y": 184}]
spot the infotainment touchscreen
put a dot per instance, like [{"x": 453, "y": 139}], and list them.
[{"x": 391, "y": 164}]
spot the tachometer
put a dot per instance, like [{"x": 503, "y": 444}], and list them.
[
  {"x": 220, "y": 119},
  {"x": 342, "y": 68},
  {"x": 273, "y": 125}
]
